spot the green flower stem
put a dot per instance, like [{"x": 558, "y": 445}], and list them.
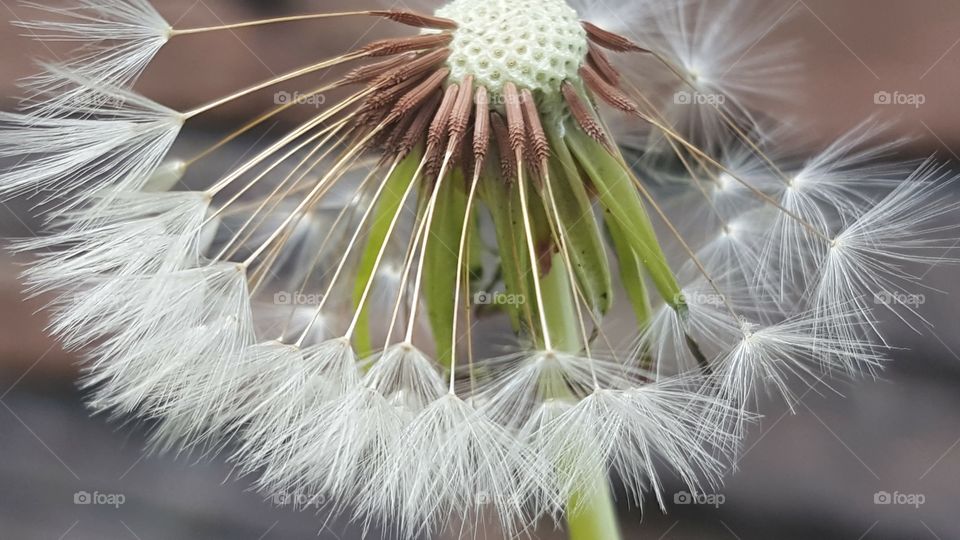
[
  {"x": 591, "y": 515},
  {"x": 559, "y": 307}
]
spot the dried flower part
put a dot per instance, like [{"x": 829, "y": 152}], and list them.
[
  {"x": 370, "y": 72},
  {"x": 420, "y": 20},
  {"x": 610, "y": 40},
  {"x": 599, "y": 61},
  {"x": 481, "y": 126},
  {"x": 607, "y": 92},
  {"x": 583, "y": 114},
  {"x": 389, "y": 47}
]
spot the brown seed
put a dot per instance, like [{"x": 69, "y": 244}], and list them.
[
  {"x": 421, "y": 120},
  {"x": 437, "y": 134},
  {"x": 460, "y": 116},
  {"x": 481, "y": 127},
  {"x": 466, "y": 157},
  {"x": 417, "y": 20},
  {"x": 610, "y": 40},
  {"x": 392, "y": 46},
  {"x": 391, "y": 144},
  {"x": 417, "y": 66},
  {"x": 434, "y": 162},
  {"x": 607, "y": 92},
  {"x": 371, "y": 119},
  {"x": 369, "y": 72},
  {"x": 599, "y": 61},
  {"x": 537, "y": 137},
  {"x": 508, "y": 162},
  {"x": 420, "y": 94},
  {"x": 388, "y": 96},
  {"x": 583, "y": 114},
  {"x": 515, "y": 124},
  {"x": 438, "y": 128}
]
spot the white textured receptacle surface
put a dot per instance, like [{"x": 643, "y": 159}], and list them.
[{"x": 535, "y": 44}]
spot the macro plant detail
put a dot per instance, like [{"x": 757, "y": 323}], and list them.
[{"x": 313, "y": 311}]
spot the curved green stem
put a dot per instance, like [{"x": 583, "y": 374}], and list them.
[
  {"x": 559, "y": 307},
  {"x": 591, "y": 514}
]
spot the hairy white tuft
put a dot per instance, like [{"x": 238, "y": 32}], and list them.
[
  {"x": 725, "y": 66},
  {"x": 137, "y": 234},
  {"x": 774, "y": 357},
  {"x": 341, "y": 448},
  {"x": 75, "y": 150},
  {"x": 678, "y": 342},
  {"x": 450, "y": 463},
  {"x": 287, "y": 388},
  {"x": 117, "y": 40},
  {"x": 187, "y": 328},
  {"x": 628, "y": 432},
  {"x": 516, "y": 386},
  {"x": 406, "y": 378},
  {"x": 867, "y": 265}
]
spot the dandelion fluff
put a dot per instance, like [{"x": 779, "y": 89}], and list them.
[{"x": 318, "y": 311}]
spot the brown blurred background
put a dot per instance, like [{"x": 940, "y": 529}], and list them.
[{"x": 816, "y": 474}]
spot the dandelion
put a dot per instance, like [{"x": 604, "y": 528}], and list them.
[{"x": 313, "y": 310}]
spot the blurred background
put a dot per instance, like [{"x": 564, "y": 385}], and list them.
[{"x": 867, "y": 460}]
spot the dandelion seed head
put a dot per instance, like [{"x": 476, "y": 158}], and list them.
[
  {"x": 534, "y": 44},
  {"x": 319, "y": 302}
]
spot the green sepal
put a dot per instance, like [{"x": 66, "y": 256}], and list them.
[
  {"x": 498, "y": 195},
  {"x": 475, "y": 249},
  {"x": 440, "y": 276},
  {"x": 631, "y": 274},
  {"x": 388, "y": 205},
  {"x": 620, "y": 198},
  {"x": 588, "y": 255}
]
